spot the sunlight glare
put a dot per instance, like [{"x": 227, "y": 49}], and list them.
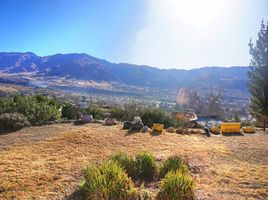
[{"x": 200, "y": 12}]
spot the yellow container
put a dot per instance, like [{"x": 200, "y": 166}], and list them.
[
  {"x": 230, "y": 127},
  {"x": 249, "y": 129},
  {"x": 158, "y": 127}
]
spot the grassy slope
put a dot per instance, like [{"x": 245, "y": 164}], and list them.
[{"x": 50, "y": 166}]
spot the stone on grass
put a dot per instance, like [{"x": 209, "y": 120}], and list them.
[
  {"x": 86, "y": 118},
  {"x": 127, "y": 125},
  {"x": 109, "y": 121},
  {"x": 171, "y": 129},
  {"x": 137, "y": 126},
  {"x": 145, "y": 129}
]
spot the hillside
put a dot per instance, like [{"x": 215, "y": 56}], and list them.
[
  {"x": 86, "y": 67},
  {"x": 223, "y": 167}
]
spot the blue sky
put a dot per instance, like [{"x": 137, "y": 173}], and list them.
[{"x": 161, "y": 33}]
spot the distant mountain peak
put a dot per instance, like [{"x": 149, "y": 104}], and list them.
[{"x": 82, "y": 66}]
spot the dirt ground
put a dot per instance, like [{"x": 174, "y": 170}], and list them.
[{"x": 46, "y": 162}]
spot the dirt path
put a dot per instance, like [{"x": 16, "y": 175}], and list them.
[{"x": 232, "y": 167}]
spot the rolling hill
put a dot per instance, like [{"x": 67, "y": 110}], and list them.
[{"x": 85, "y": 67}]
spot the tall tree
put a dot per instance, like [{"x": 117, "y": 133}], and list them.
[{"x": 258, "y": 75}]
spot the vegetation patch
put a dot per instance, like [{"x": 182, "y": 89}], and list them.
[
  {"x": 70, "y": 111},
  {"x": 12, "y": 121},
  {"x": 120, "y": 176},
  {"x": 97, "y": 112},
  {"x": 172, "y": 164},
  {"x": 176, "y": 185},
  {"x": 145, "y": 165},
  {"x": 151, "y": 116},
  {"x": 108, "y": 181},
  {"x": 126, "y": 162},
  {"x": 37, "y": 109}
]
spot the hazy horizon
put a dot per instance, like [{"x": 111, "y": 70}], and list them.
[{"x": 164, "y": 34}]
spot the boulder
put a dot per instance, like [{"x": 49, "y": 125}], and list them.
[
  {"x": 86, "y": 118},
  {"x": 179, "y": 130},
  {"x": 127, "y": 125},
  {"x": 171, "y": 130},
  {"x": 137, "y": 126},
  {"x": 109, "y": 121},
  {"x": 137, "y": 120},
  {"x": 145, "y": 129}
]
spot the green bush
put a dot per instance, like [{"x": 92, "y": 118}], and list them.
[
  {"x": 109, "y": 182},
  {"x": 145, "y": 166},
  {"x": 117, "y": 113},
  {"x": 96, "y": 112},
  {"x": 148, "y": 115},
  {"x": 111, "y": 179},
  {"x": 70, "y": 111},
  {"x": 176, "y": 185},
  {"x": 126, "y": 162},
  {"x": 35, "y": 108},
  {"x": 132, "y": 110},
  {"x": 151, "y": 116},
  {"x": 12, "y": 121},
  {"x": 172, "y": 164}
]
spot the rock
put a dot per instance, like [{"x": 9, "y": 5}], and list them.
[
  {"x": 179, "y": 130},
  {"x": 137, "y": 120},
  {"x": 145, "y": 129},
  {"x": 171, "y": 129},
  {"x": 187, "y": 131},
  {"x": 109, "y": 121},
  {"x": 127, "y": 125},
  {"x": 137, "y": 126},
  {"x": 86, "y": 118}
]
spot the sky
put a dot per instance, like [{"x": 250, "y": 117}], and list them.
[{"x": 181, "y": 34}]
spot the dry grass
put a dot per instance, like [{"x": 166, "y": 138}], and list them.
[{"x": 49, "y": 166}]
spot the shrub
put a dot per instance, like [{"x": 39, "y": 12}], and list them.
[
  {"x": 117, "y": 113},
  {"x": 145, "y": 194},
  {"x": 35, "y": 108},
  {"x": 151, "y": 116},
  {"x": 132, "y": 110},
  {"x": 109, "y": 181},
  {"x": 176, "y": 185},
  {"x": 96, "y": 112},
  {"x": 142, "y": 167},
  {"x": 70, "y": 111},
  {"x": 127, "y": 163},
  {"x": 12, "y": 121},
  {"x": 145, "y": 166},
  {"x": 172, "y": 164}
]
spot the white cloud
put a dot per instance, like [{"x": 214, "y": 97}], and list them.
[{"x": 194, "y": 33}]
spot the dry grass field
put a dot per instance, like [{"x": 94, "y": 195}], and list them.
[{"x": 46, "y": 162}]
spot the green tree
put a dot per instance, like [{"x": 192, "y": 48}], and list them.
[
  {"x": 258, "y": 75},
  {"x": 70, "y": 111}
]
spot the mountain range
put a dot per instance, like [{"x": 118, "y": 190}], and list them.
[{"x": 85, "y": 67}]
